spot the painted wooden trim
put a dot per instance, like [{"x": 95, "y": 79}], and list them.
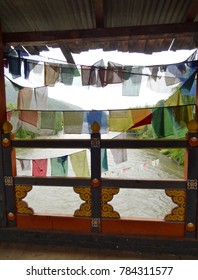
[
  {"x": 95, "y": 183},
  {"x": 143, "y": 227},
  {"x": 105, "y": 183},
  {"x": 192, "y": 194},
  {"x": 48, "y": 143},
  {"x": 105, "y": 143},
  {"x": 132, "y": 227},
  {"x": 51, "y": 181},
  {"x": 44, "y": 222},
  {"x": 9, "y": 184}
]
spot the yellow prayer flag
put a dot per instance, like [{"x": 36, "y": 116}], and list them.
[
  {"x": 80, "y": 164},
  {"x": 120, "y": 120}
]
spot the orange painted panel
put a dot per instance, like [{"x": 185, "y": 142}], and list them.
[
  {"x": 144, "y": 227},
  {"x": 72, "y": 224},
  {"x": 140, "y": 227}
]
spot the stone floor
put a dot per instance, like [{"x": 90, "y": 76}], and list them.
[{"x": 18, "y": 251}]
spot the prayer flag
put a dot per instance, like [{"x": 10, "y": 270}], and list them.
[
  {"x": 25, "y": 164},
  {"x": 51, "y": 74},
  {"x": 39, "y": 99},
  {"x": 104, "y": 161},
  {"x": 115, "y": 73},
  {"x": 67, "y": 74},
  {"x": 132, "y": 81},
  {"x": 120, "y": 120},
  {"x": 119, "y": 155},
  {"x": 93, "y": 75},
  {"x": 24, "y": 101},
  {"x": 59, "y": 166},
  {"x": 14, "y": 65},
  {"x": 162, "y": 121},
  {"x": 73, "y": 122},
  {"x": 39, "y": 167},
  {"x": 141, "y": 117},
  {"x": 80, "y": 164}
]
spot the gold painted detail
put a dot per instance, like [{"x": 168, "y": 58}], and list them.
[
  {"x": 22, "y": 206},
  {"x": 6, "y": 142},
  {"x": 8, "y": 180},
  {"x": 178, "y": 213},
  {"x": 95, "y": 127},
  {"x": 95, "y": 222},
  {"x": 107, "y": 209},
  {"x": 192, "y": 184},
  {"x": 95, "y": 183},
  {"x": 85, "y": 208},
  {"x": 95, "y": 143},
  {"x": 190, "y": 227},
  {"x": 106, "y": 196},
  {"x": 7, "y": 127}
]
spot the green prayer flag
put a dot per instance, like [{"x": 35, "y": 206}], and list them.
[
  {"x": 59, "y": 166},
  {"x": 162, "y": 122},
  {"x": 104, "y": 161}
]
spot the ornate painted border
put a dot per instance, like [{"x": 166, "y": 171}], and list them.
[
  {"x": 106, "y": 196},
  {"x": 22, "y": 206},
  {"x": 178, "y": 213}
]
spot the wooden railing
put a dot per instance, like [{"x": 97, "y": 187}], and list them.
[{"x": 184, "y": 219}]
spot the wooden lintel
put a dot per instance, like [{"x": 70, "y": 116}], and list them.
[{"x": 101, "y": 34}]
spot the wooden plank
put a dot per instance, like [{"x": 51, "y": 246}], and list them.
[
  {"x": 132, "y": 227},
  {"x": 106, "y": 183},
  {"x": 105, "y": 143},
  {"x": 175, "y": 30},
  {"x": 143, "y": 227},
  {"x": 39, "y": 222},
  {"x": 52, "y": 181},
  {"x": 55, "y": 143},
  {"x": 144, "y": 144},
  {"x": 144, "y": 184}
]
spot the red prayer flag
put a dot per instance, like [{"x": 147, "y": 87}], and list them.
[{"x": 39, "y": 167}]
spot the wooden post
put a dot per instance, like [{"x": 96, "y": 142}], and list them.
[
  {"x": 2, "y": 189},
  {"x": 2, "y": 120},
  {"x": 95, "y": 178},
  {"x": 10, "y": 204},
  {"x": 2, "y": 86},
  {"x": 191, "y": 225},
  {"x": 192, "y": 182}
]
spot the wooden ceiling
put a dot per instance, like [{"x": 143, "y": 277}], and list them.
[{"x": 75, "y": 26}]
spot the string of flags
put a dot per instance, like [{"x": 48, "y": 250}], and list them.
[
  {"x": 58, "y": 165},
  {"x": 166, "y": 118},
  {"x": 78, "y": 162},
  {"x": 159, "y": 78},
  {"x": 165, "y": 121}
]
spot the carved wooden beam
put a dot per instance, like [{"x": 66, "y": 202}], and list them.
[{"x": 102, "y": 34}]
